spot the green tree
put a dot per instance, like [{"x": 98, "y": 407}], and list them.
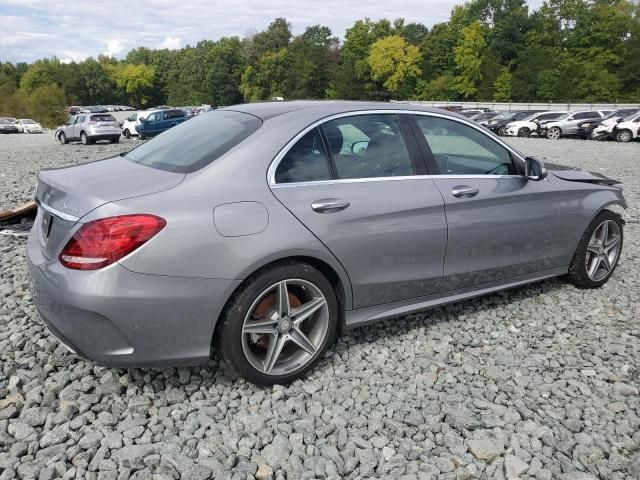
[
  {"x": 395, "y": 62},
  {"x": 502, "y": 86},
  {"x": 45, "y": 104},
  {"x": 469, "y": 55},
  {"x": 134, "y": 81}
]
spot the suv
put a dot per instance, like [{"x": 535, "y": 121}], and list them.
[
  {"x": 132, "y": 121},
  {"x": 499, "y": 124},
  {"x": 159, "y": 121},
  {"x": 568, "y": 123},
  {"x": 88, "y": 128}
]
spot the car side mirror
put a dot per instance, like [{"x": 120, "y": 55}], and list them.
[
  {"x": 359, "y": 147},
  {"x": 536, "y": 170},
  {"x": 618, "y": 120}
]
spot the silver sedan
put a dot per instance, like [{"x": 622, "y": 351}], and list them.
[{"x": 263, "y": 231}]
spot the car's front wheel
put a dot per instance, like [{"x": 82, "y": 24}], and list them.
[
  {"x": 279, "y": 324},
  {"x": 624, "y": 136},
  {"x": 62, "y": 138},
  {"x": 502, "y": 131},
  {"x": 598, "y": 251},
  {"x": 524, "y": 132}
]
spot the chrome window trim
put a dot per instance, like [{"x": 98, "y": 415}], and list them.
[
  {"x": 57, "y": 213},
  {"x": 271, "y": 171}
]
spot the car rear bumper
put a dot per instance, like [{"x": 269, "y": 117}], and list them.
[{"x": 116, "y": 317}]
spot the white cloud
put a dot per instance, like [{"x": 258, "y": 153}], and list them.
[
  {"x": 172, "y": 43},
  {"x": 114, "y": 47}
]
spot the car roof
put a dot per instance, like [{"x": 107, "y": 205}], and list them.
[{"x": 267, "y": 110}]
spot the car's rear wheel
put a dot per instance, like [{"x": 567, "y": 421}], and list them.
[
  {"x": 127, "y": 133},
  {"x": 524, "y": 132},
  {"x": 598, "y": 252},
  {"x": 624, "y": 136},
  {"x": 279, "y": 324},
  {"x": 84, "y": 139},
  {"x": 62, "y": 138},
  {"x": 554, "y": 133}
]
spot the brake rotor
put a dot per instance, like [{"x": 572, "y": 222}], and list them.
[{"x": 262, "y": 310}]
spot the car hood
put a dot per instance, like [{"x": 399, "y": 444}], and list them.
[{"x": 572, "y": 174}]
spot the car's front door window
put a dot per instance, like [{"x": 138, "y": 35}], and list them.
[
  {"x": 368, "y": 146},
  {"x": 459, "y": 149}
]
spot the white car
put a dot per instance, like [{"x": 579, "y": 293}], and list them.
[
  {"x": 26, "y": 125},
  {"x": 527, "y": 126},
  {"x": 628, "y": 129},
  {"x": 133, "y": 120}
]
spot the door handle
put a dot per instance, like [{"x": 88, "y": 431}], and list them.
[
  {"x": 464, "y": 191},
  {"x": 329, "y": 205}
]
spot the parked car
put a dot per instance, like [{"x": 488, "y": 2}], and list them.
[
  {"x": 89, "y": 128},
  {"x": 159, "y": 121},
  {"x": 627, "y": 128},
  {"x": 26, "y": 125},
  {"x": 129, "y": 125},
  {"x": 499, "y": 124},
  {"x": 7, "y": 125},
  {"x": 529, "y": 125},
  {"x": 471, "y": 112},
  {"x": 599, "y": 129},
  {"x": 484, "y": 118},
  {"x": 568, "y": 123},
  {"x": 180, "y": 245}
]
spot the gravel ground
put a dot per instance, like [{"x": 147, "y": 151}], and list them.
[{"x": 540, "y": 382}]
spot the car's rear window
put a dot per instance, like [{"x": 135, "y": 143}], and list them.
[
  {"x": 195, "y": 143},
  {"x": 103, "y": 118}
]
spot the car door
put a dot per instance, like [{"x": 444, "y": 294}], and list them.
[
  {"x": 77, "y": 126},
  {"x": 67, "y": 128},
  {"x": 152, "y": 124},
  {"x": 354, "y": 184},
  {"x": 571, "y": 125},
  {"x": 500, "y": 225}
]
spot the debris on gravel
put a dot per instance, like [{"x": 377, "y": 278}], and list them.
[{"x": 539, "y": 382}]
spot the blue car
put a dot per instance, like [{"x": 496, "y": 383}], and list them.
[{"x": 158, "y": 122}]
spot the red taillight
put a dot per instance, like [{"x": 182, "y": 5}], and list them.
[
  {"x": 102, "y": 242},
  {"x": 92, "y": 122}
]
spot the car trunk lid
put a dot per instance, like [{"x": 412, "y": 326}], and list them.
[{"x": 65, "y": 195}]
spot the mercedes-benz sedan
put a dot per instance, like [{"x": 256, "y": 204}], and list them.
[{"x": 265, "y": 230}]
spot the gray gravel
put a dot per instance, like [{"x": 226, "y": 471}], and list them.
[{"x": 540, "y": 382}]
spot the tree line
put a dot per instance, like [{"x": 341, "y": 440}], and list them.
[{"x": 566, "y": 50}]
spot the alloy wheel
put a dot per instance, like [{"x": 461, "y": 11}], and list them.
[
  {"x": 524, "y": 132},
  {"x": 285, "y": 327},
  {"x": 603, "y": 250},
  {"x": 554, "y": 133},
  {"x": 624, "y": 136}
]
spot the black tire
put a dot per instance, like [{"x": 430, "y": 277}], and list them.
[
  {"x": 142, "y": 137},
  {"x": 502, "y": 131},
  {"x": 578, "y": 268},
  {"x": 624, "y": 135},
  {"x": 524, "y": 132},
  {"x": 62, "y": 138},
  {"x": 229, "y": 335},
  {"x": 127, "y": 133},
  {"x": 85, "y": 139},
  {"x": 115, "y": 139}
]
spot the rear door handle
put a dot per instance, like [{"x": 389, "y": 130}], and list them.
[
  {"x": 329, "y": 205},
  {"x": 464, "y": 191}
]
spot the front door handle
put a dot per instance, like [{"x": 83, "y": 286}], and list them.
[
  {"x": 464, "y": 191},
  {"x": 329, "y": 205}
]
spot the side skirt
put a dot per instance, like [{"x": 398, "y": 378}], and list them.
[{"x": 363, "y": 316}]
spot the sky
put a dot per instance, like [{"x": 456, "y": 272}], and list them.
[{"x": 74, "y": 30}]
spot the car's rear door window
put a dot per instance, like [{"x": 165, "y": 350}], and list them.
[
  {"x": 191, "y": 145},
  {"x": 306, "y": 161},
  {"x": 459, "y": 149},
  {"x": 368, "y": 146}
]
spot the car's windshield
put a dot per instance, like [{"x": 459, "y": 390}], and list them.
[
  {"x": 630, "y": 117},
  {"x": 27, "y": 120},
  {"x": 191, "y": 145}
]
